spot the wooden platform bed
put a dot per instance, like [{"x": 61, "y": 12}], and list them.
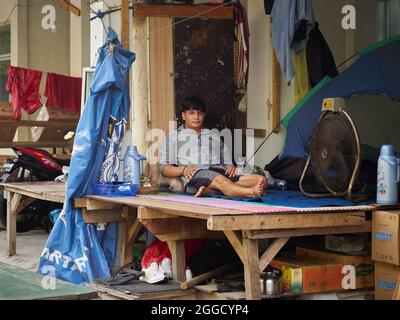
[{"x": 175, "y": 222}]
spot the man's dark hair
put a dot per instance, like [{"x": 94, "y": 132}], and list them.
[{"x": 193, "y": 103}]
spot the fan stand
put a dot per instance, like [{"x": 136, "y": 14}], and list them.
[{"x": 349, "y": 193}]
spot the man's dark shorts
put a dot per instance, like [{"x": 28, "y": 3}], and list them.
[{"x": 203, "y": 178}]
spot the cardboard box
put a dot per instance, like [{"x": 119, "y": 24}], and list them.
[
  {"x": 363, "y": 264},
  {"x": 292, "y": 279},
  {"x": 386, "y": 279},
  {"x": 315, "y": 277},
  {"x": 385, "y": 236}
]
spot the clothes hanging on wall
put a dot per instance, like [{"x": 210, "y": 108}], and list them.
[
  {"x": 320, "y": 60},
  {"x": 268, "y": 5},
  {"x": 242, "y": 31},
  {"x": 292, "y": 20},
  {"x": 301, "y": 81},
  {"x": 63, "y": 92},
  {"x": 23, "y": 86}
]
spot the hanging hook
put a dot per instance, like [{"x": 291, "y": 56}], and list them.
[{"x": 111, "y": 48}]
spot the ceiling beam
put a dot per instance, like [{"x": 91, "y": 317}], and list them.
[{"x": 70, "y": 7}]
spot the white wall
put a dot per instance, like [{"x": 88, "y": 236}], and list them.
[
  {"x": 79, "y": 38},
  {"x": 343, "y": 44},
  {"x": 97, "y": 32},
  {"x": 47, "y": 50}
]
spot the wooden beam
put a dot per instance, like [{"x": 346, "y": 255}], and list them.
[
  {"x": 132, "y": 228},
  {"x": 179, "y": 228},
  {"x": 102, "y": 216},
  {"x": 15, "y": 203},
  {"x": 125, "y": 23},
  {"x": 260, "y": 133},
  {"x": 120, "y": 260},
  {"x": 208, "y": 275},
  {"x": 41, "y": 124},
  {"x": 37, "y": 144},
  {"x": 36, "y": 192},
  {"x": 271, "y": 252},
  {"x": 396, "y": 295},
  {"x": 276, "y": 93},
  {"x": 236, "y": 243},
  {"x": 145, "y": 213},
  {"x": 251, "y": 269},
  {"x": 289, "y": 221},
  {"x": 134, "y": 231},
  {"x": 11, "y": 226},
  {"x": 182, "y": 11},
  {"x": 79, "y": 203},
  {"x": 177, "y": 249},
  {"x": 25, "y": 201},
  {"x": 363, "y": 228},
  {"x": 70, "y": 7},
  {"x": 141, "y": 85},
  {"x": 161, "y": 80},
  {"x": 92, "y": 204}
]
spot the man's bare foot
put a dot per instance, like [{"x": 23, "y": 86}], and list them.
[
  {"x": 202, "y": 192},
  {"x": 259, "y": 189}
]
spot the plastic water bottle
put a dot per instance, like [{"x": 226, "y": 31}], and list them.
[
  {"x": 388, "y": 176},
  {"x": 189, "y": 274},
  {"x": 133, "y": 166}
]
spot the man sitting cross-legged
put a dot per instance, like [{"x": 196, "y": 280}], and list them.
[{"x": 202, "y": 161}]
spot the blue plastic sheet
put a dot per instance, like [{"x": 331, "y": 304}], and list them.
[{"x": 377, "y": 71}]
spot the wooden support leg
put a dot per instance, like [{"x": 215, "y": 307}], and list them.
[
  {"x": 123, "y": 253},
  {"x": 177, "y": 248},
  {"x": 396, "y": 295},
  {"x": 25, "y": 201},
  {"x": 12, "y": 205},
  {"x": 271, "y": 252},
  {"x": 133, "y": 227},
  {"x": 236, "y": 243},
  {"x": 251, "y": 269}
]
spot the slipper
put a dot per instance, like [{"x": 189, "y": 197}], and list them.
[{"x": 125, "y": 278}]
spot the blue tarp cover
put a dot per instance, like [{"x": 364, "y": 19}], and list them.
[
  {"x": 75, "y": 251},
  {"x": 376, "y": 71}
]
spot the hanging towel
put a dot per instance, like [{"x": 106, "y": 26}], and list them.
[
  {"x": 301, "y": 82},
  {"x": 292, "y": 20},
  {"x": 63, "y": 92},
  {"x": 23, "y": 86}
]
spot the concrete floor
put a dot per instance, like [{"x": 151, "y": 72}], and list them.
[{"x": 29, "y": 247}]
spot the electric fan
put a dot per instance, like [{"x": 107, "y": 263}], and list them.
[{"x": 334, "y": 152}]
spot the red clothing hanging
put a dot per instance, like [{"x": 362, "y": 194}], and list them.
[
  {"x": 23, "y": 86},
  {"x": 63, "y": 92}
]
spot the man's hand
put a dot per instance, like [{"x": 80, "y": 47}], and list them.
[
  {"x": 190, "y": 171},
  {"x": 230, "y": 171}
]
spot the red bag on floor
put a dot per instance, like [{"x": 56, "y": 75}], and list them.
[{"x": 158, "y": 251}]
